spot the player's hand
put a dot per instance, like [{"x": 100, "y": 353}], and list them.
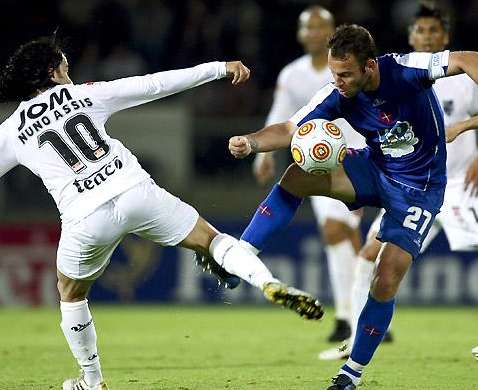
[
  {"x": 240, "y": 146},
  {"x": 453, "y": 131},
  {"x": 471, "y": 178},
  {"x": 237, "y": 71},
  {"x": 264, "y": 167}
]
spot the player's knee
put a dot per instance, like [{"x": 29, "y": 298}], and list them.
[
  {"x": 72, "y": 290},
  {"x": 200, "y": 238},
  {"x": 383, "y": 288},
  {"x": 334, "y": 232},
  {"x": 385, "y": 284}
]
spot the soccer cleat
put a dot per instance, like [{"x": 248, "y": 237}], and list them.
[
  {"x": 223, "y": 277},
  {"x": 301, "y": 302},
  {"x": 337, "y": 353},
  {"x": 341, "y": 331},
  {"x": 474, "y": 351},
  {"x": 341, "y": 382},
  {"x": 80, "y": 384}
]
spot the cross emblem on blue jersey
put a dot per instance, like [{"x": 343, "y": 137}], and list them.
[{"x": 386, "y": 117}]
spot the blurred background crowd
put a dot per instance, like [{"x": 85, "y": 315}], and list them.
[{"x": 108, "y": 39}]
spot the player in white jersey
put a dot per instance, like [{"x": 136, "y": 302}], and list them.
[
  {"x": 458, "y": 96},
  {"x": 100, "y": 189},
  {"x": 297, "y": 83}
]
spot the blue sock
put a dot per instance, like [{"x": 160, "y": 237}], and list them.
[
  {"x": 274, "y": 213},
  {"x": 371, "y": 327}
]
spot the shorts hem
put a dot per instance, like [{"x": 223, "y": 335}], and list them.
[{"x": 401, "y": 244}]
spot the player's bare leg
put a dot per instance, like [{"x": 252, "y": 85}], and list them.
[
  {"x": 80, "y": 333},
  {"x": 336, "y": 184},
  {"x": 237, "y": 260}
]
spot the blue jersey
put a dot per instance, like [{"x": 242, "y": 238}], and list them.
[{"x": 402, "y": 120}]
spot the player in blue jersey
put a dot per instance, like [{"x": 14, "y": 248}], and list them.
[{"x": 388, "y": 100}]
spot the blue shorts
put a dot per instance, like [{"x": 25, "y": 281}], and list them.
[{"x": 409, "y": 212}]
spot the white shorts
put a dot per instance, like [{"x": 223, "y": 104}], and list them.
[
  {"x": 146, "y": 210},
  {"x": 328, "y": 208},
  {"x": 458, "y": 218}
]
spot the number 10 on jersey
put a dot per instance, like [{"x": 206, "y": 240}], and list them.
[{"x": 72, "y": 129}]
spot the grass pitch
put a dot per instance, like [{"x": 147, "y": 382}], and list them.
[{"x": 234, "y": 347}]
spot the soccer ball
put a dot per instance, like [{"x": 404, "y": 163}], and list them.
[{"x": 318, "y": 146}]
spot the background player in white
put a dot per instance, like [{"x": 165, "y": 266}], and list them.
[
  {"x": 458, "y": 96},
  {"x": 297, "y": 83},
  {"x": 100, "y": 189}
]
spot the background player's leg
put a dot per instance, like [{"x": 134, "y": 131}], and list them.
[
  {"x": 79, "y": 329},
  {"x": 341, "y": 264}
]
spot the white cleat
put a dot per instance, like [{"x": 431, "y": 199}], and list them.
[
  {"x": 474, "y": 351},
  {"x": 337, "y": 353},
  {"x": 80, "y": 384}
]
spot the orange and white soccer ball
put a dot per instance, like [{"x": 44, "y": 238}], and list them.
[{"x": 318, "y": 146}]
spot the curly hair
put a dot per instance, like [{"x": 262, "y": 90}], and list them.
[
  {"x": 30, "y": 69},
  {"x": 352, "y": 39}
]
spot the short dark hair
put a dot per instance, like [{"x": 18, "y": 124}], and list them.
[
  {"x": 430, "y": 10},
  {"x": 352, "y": 39},
  {"x": 30, "y": 69}
]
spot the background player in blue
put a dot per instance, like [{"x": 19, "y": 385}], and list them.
[{"x": 389, "y": 100}]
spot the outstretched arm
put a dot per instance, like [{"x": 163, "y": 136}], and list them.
[
  {"x": 132, "y": 91},
  {"x": 463, "y": 62},
  {"x": 269, "y": 138}
]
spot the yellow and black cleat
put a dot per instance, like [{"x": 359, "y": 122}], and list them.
[{"x": 299, "y": 301}]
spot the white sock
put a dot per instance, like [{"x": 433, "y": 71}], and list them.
[
  {"x": 79, "y": 330},
  {"x": 239, "y": 261},
  {"x": 341, "y": 259},
  {"x": 360, "y": 289},
  {"x": 353, "y": 370},
  {"x": 249, "y": 247}
]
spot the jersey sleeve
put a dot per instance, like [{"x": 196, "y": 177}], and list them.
[
  {"x": 421, "y": 69},
  {"x": 8, "y": 157},
  {"x": 132, "y": 91},
  {"x": 324, "y": 105},
  {"x": 283, "y": 104}
]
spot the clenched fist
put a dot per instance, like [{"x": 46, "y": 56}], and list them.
[
  {"x": 240, "y": 146},
  {"x": 237, "y": 71}
]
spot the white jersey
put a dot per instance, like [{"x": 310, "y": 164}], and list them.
[
  {"x": 60, "y": 136},
  {"x": 296, "y": 85},
  {"x": 458, "y": 96}
]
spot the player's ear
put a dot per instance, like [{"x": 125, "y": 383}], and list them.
[
  {"x": 446, "y": 39},
  {"x": 55, "y": 75},
  {"x": 370, "y": 65}
]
